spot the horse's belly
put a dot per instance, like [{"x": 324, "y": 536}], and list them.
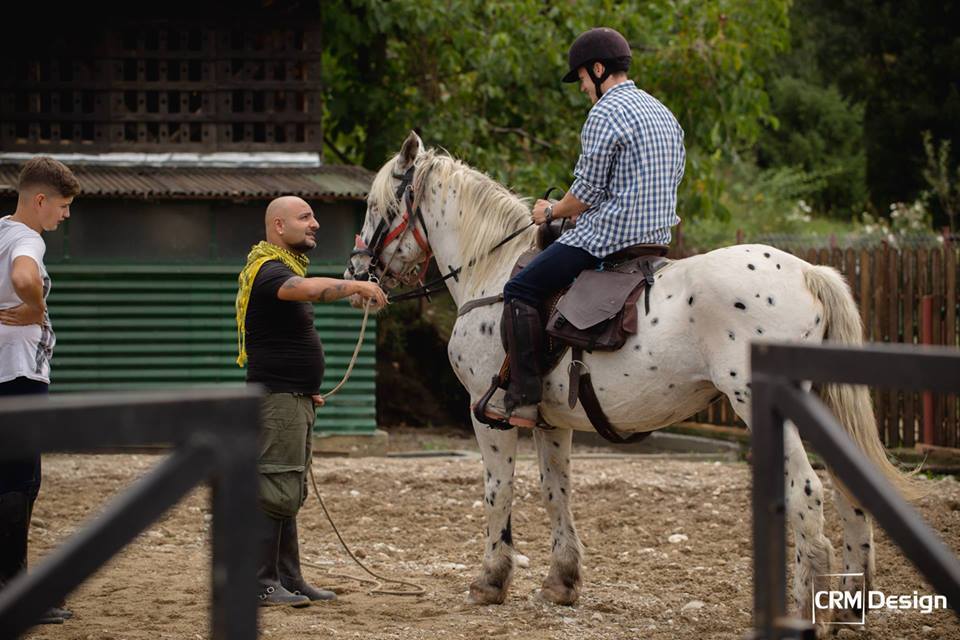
[{"x": 638, "y": 389}]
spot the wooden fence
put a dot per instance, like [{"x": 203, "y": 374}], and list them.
[{"x": 904, "y": 295}]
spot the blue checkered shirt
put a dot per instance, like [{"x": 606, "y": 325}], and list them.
[{"x": 630, "y": 165}]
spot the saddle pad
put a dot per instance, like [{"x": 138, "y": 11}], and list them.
[{"x": 596, "y": 296}]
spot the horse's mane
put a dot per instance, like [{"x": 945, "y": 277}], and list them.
[{"x": 490, "y": 212}]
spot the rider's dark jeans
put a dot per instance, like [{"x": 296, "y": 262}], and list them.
[{"x": 552, "y": 270}]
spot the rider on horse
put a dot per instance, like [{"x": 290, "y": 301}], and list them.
[{"x": 624, "y": 193}]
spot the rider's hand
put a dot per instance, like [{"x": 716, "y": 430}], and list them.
[
  {"x": 539, "y": 214},
  {"x": 318, "y": 400},
  {"x": 371, "y": 291},
  {"x": 21, "y": 315}
]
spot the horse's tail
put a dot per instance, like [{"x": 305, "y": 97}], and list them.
[{"x": 852, "y": 403}]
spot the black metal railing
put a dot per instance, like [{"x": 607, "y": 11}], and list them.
[
  {"x": 213, "y": 433},
  {"x": 777, "y": 372}
]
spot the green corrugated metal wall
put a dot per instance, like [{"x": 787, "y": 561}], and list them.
[{"x": 122, "y": 327}]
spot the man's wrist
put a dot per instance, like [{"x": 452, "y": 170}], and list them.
[{"x": 548, "y": 213}]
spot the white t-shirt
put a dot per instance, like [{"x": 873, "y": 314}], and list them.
[{"x": 24, "y": 351}]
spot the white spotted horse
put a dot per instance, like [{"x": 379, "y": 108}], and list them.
[{"x": 690, "y": 347}]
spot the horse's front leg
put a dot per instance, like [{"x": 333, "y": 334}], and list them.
[
  {"x": 499, "y": 452},
  {"x": 562, "y": 584}
]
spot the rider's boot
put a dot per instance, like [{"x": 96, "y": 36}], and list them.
[{"x": 524, "y": 334}]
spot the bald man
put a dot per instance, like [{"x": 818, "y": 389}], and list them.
[{"x": 278, "y": 340}]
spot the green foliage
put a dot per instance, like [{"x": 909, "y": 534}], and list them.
[
  {"x": 819, "y": 131},
  {"x": 942, "y": 184},
  {"x": 482, "y": 79},
  {"x": 899, "y": 57},
  {"x": 762, "y": 203}
]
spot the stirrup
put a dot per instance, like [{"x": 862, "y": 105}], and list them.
[{"x": 483, "y": 416}]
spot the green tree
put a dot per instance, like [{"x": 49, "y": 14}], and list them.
[{"x": 481, "y": 79}]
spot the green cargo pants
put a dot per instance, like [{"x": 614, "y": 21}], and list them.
[{"x": 285, "y": 453}]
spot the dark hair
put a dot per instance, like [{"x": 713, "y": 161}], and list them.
[{"x": 44, "y": 171}]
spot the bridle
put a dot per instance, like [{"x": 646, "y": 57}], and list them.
[
  {"x": 385, "y": 233},
  {"x": 383, "y": 236}
]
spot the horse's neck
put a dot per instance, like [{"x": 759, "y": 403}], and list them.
[{"x": 443, "y": 227}]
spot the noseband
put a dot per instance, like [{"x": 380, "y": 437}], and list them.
[{"x": 383, "y": 235}]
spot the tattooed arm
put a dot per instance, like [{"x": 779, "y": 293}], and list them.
[{"x": 330, "y": 289}]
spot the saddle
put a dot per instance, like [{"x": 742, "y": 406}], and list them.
[{"x": 598, "y": 312}]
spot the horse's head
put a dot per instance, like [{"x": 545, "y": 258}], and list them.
[{"x": 392, "y": 245}]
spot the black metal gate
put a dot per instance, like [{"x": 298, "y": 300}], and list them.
[
  {"x": 214, "y": 436},
  {"x": 777, "y": 372}
]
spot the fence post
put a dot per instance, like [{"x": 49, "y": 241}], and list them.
[{"x": 926, "y": 337}]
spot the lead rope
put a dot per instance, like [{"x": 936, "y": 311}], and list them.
[{"x": 380, "y": 580}]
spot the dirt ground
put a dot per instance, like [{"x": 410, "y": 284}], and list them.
[{"x": 421, "y": 519}]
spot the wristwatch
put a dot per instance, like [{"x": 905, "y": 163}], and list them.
[{"x": 548, "y": 214}]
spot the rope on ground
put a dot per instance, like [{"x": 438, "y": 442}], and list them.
[{"x": 417, "y": 589}]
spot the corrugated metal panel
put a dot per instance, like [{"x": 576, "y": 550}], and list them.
[
  {"x": 149, "y": 327},
  {"x": 335, "y": 182}
]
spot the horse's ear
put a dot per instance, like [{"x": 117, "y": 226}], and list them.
[{"x": 412, "y": 146}]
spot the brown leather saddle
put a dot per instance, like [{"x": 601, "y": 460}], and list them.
[{"x": 598, "y": 312}]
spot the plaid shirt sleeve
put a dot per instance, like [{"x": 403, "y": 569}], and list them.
[{"x": 599, "y": 144}]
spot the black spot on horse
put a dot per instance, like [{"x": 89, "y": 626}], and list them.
[
  {"x": 859, "y": 512},
  {"x": 751, "y": 267},
  {"x": 740, "y": 305},
  {"x": 690, "y": 301},
  {"x": 807, "y": 489},
  {"x": 556, "y": 444},
  {"x": 671, "y": 386},
  {"x": 550, "y": 496},
  {"x": 759, "y": 331},
  {"x": 766, "y": 254},
  {"x": 691, "y": 319},
  {"x": 494, "y": 448},
  {"x": 626, "y": 375},
  {"x": 865, "y": 545},
  {"x": 669, "y": 296},
  {"x": 770, "y": 300},
  {"x": 510, "y": 460},
  {"x": 653, "y": 368},
  {"x": 778, "y": 266},
  {"x": 471, "y": 371},
  {"x": 731, "y": 335},
  {"x": 636, "y": 347},
  {"x": 733, "y": 374},
  {"x": 655, "y": 321},
  {"x": 816, "y": 320}
]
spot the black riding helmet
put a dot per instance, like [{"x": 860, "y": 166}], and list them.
[{"x": 603, "y": 45}]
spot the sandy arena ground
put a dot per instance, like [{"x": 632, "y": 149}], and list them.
[{"x": 421, "y": 519}]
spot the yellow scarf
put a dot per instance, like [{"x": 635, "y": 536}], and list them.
[{"x": 259, "y": 254}]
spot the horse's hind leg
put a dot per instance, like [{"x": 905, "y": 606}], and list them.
[
  {"x": 562, "y": 584},
  {"x": 814, "y": 553},
  {"x": 499, "y": 452},
  {"x": 858, "y": 551},
  {"x": 813, "y": 556}
]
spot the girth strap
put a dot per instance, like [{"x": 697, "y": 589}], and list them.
[{"x": 588, "y": 398}]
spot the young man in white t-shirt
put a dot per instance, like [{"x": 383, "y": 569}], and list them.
[{"x": 46, "y": 189}]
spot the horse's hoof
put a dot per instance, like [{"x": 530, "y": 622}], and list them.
[
  {"x": 559, "y": 595},
  {"x": 482, "y": 593}
]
